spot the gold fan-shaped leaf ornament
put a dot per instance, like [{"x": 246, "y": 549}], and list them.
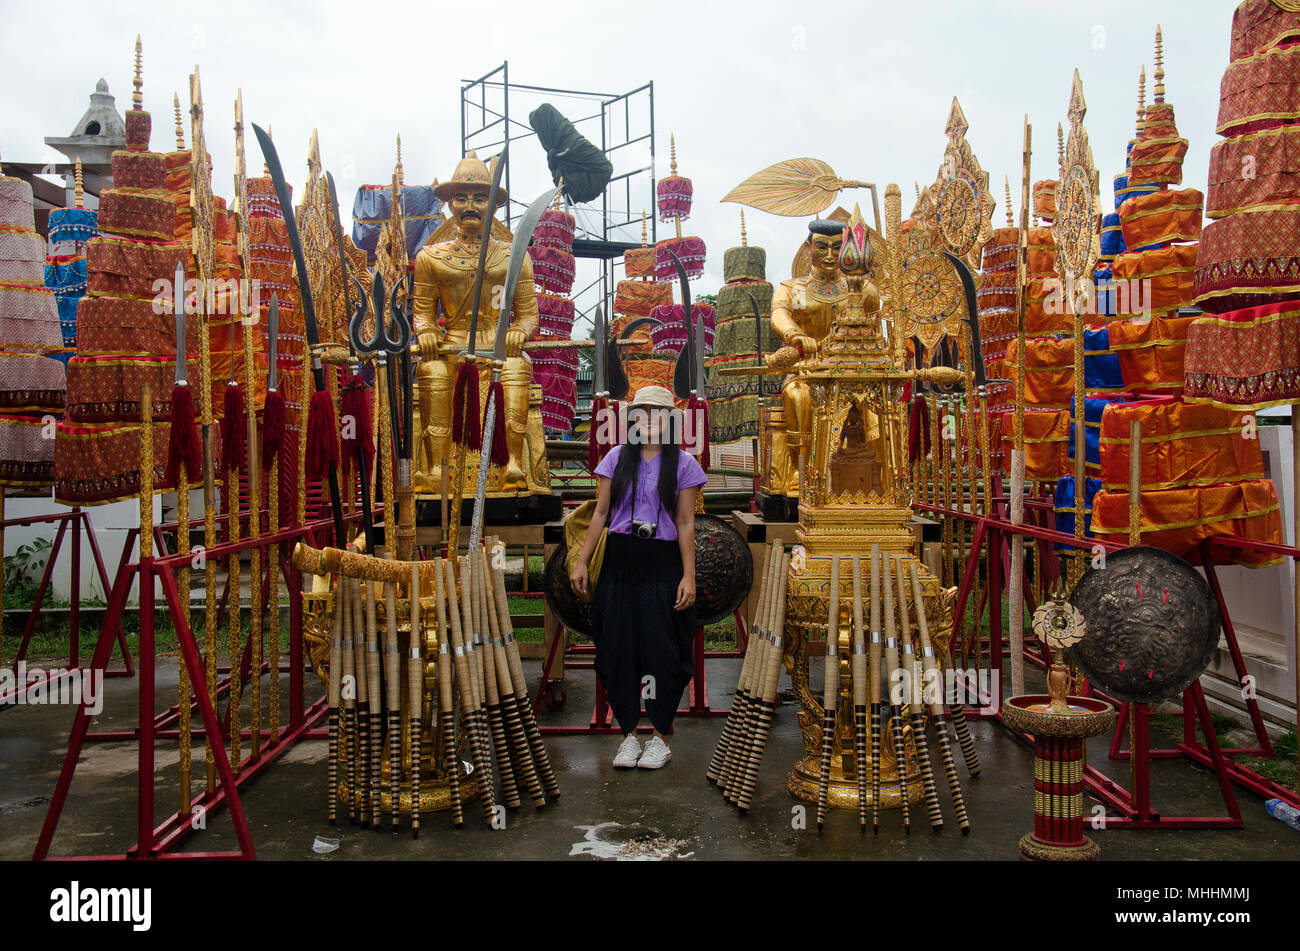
[{"x": 794, "y": 188}]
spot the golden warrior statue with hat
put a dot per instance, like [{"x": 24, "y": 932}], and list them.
[{"x": 444, "y": 282}]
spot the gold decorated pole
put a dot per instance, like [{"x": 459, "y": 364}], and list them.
[
  {"x": 273, "y": 593},
  {"x": 1134, "y": 539},
  {"x": 936, "y": 460},
  {"x": 247, "y": 320},
  {"x": 1075, "y": 228},
  {"x": 203, "y": 249},
  {"x": 1016, "y": 584},
  {"x": 308, "y": 383}
]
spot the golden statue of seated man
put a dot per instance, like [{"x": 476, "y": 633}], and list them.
[
  {"x": 802, "y": 312},
  {"x": 444, "y": 282}
]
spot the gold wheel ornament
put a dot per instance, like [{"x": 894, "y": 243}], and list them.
[
  {"x": 957, "y": 210},
  {"x": 1076, "y": 215},
  {"x": 932, "y": 298},
  {"x": 1077, "y": 226}
]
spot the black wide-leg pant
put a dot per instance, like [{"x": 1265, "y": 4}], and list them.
[{"x": 643, "y": 645}]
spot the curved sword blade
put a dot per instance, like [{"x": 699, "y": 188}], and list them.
[
  {"x": 972, "y": 318},
  {"x": 598, "y": 352},
  {"x": 291, "y": 225},
  {"x": 485, "y": 238},
  {"x": 518, "y": 251},
  {"x": 683, "y": 382},
  {"x": 700, "y": 385}
]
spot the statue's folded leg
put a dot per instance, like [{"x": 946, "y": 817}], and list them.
[
  {"x": 434, "y": 381},
  {"x": 515, "y": 378}
]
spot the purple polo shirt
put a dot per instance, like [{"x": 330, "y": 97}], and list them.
[{"x": 643, "y": 503}]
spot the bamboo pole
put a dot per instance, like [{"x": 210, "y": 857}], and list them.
[
  {"x": 236, "y": 695},
  {"x": 732, "y": 730},
  {"x": 415, "y": 695},
  {"x": 361, "y": 735},
  {"x": 859, "y": 664},
  {"x": 393, "y": 702},
  {"x": 831, "y": 690},
  {"x": 333, "y": 692},
  {"x": 446, "y": 711},
  {"x": 344, "y": 602},
  {"x": 915, "y": 695},
  {"x": 771, "y": 678},
  {"x": 541, "y": 761},
  {"x": 895, "y": 692},
  {"x": 936, "y": 709},
  {"x": 875, "y": 659},
  {"x": 374, "y": 691}
]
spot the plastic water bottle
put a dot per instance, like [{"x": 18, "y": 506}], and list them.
[{"x": 1284, "y": 813}]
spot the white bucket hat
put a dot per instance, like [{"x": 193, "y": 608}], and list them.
[{"x": 653, "y": 396}]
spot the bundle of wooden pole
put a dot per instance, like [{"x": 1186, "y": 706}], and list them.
[
  {"x": 831, "y": 690},
  {"x": 748, "y": 690},
  {"x": 729, "y": 742},
  {"x": 931, "y": 670},
  {"x": 767, "y": 682},
  {"x": 914, "y": 696},
  {"x": 541, "y": 763},
  {"x": 471, "y": 712},
  {"x": 892, "y": 678},
  {"x": 359, "y": 746}
]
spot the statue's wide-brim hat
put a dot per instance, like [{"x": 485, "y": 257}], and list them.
[{"x": 470, "y": 172}]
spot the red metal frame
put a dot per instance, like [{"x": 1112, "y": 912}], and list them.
[
  {"x": 159, "y": 841},
  {"x": 79, "y": 520},
  {"x": 992, "y": 535}
]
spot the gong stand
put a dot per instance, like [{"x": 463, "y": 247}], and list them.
[{"x": 991, "y": 538}]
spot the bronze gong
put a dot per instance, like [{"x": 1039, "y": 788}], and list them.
[{"x": 1152, "y": 625}]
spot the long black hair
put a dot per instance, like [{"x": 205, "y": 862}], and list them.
[{"x": 629, "y": 461}]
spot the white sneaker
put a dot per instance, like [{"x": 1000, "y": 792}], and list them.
[
  {"x": 656, "y": 754},
  {"x": 629, "y": 752}
]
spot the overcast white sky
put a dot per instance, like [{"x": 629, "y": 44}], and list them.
[{"x": 865, "y": 86}]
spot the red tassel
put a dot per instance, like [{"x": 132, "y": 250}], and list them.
[
  {"x": 465, "y": 423},
  {"x": 232, "y": 430},
  {"x": 358, "y": 435},
  {"x": 595, "y": 449},
  {"x": 918, "y": 430},
  {"x": 497, "y": 396},
  {"x": 322, "y": 435},
  {"x": 699, "y": 410},
  {"x": 272, "y": 426},
  {"x": 183, "y": 444}
]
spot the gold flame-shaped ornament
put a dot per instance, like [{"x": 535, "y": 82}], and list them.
[{"x": 855, "y": 252}]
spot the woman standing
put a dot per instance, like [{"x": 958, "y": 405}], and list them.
[{"x": 643, "y": 616}]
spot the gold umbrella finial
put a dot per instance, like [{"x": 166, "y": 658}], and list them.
[
  {"x": 1060, "y": 147},
  {"x": 137, "y": 97},
  {"x": 559, "y": 195},
  {"x": 643, "y": 230},
  {"x": 266, "y": 170},
  {"x": 1142, "y": 100},
  {"x": 399, "y": 157},
  {"x": 672, "y": 154},
  {"x": 1160, "y": 66},
  {"x": 1006, "y": 183},
  {"x": 80, "y": 186},
  {"x": 180, "y": 128},
  {"x": 744, "y": 238}
]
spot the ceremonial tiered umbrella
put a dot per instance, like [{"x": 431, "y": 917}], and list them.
[
  {"x": 31, "y": 381},
  {"x": 635, "y": 298},
  {"x": 1244, "y": 354},
  {"x": 555, "y": 370},
  {"x": 122, "y": 344},
  {"x": 674, "y": 195},
  {"x": 1200, "y": 476},
  {"x": 743, "y": 333}
]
